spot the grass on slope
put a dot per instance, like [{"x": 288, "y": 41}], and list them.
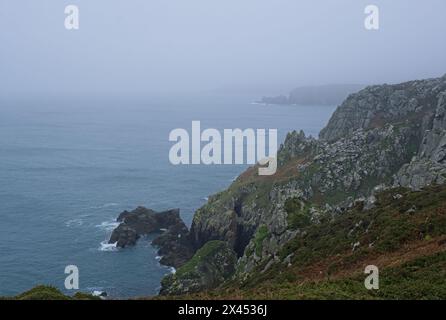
[
  {"x": 49, "y": 293},
  {"x": 404, "y": 235}
]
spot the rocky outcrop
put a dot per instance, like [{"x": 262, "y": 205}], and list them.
[
  {"x": 173, "y": 241},
  {"x": 378, "y": 105},
  {"x": 175, "y": 247},
  {"x": 209, "y": 267},
  {"x": 428, "y": 166},
  {"x": 418, "y": 105},
  {"x": 145, "y": 221}
]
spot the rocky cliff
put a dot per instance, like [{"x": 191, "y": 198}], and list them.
[
  {"x": 380, "y": 138},
  {"x": 418, "y": 106}
]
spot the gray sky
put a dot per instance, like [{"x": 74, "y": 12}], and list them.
[{"x": 156, "y": 46}]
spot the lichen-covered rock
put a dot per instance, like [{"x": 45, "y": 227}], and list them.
[
  {"x": 429, "y": 164},
  {"x": 377, "y": 105},
  {"x": 209, "y": 267}
]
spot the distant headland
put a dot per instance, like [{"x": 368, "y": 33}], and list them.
[{"x": 314, "y": 95}]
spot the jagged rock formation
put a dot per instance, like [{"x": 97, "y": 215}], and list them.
[
  {"x": 173, "y": 242},
  {"x": 428, "y": 166},
  {"x": 416, "y": 105},
  {"x": 381, "y": 137}
]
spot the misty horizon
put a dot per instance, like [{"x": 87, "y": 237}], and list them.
[{"x": 177, "y": 47}]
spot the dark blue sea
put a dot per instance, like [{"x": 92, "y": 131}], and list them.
[{"x": 68, "y": 167}]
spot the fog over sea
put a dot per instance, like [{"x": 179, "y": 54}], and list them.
[{"x": 69, "y": 167}]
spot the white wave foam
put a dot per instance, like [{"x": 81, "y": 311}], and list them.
[
  {"x": 99, "y": 293},
  {"x": 74, "y": 223},
  {"x": 105, "y": 246},
  {"x": 172, "y": 270},
  {"x": 108, "y": 225}
]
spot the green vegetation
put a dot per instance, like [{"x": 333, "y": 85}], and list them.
[
  {"x": 386, "y": 227},
  {"x": 50, "y": 293},
  {"x": 260, "y": 235},
  {"x": 43, "y": 293},
  {"x": 202, "y": 254},
  {"x": 298, "y": 213},
  {"x": 404, "y": 235},
  {"x": 421, "y": 278},
  {"x": 85, "y": 296}
]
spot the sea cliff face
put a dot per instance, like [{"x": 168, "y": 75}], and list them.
[
  {"x": 381, "y": 138},
  {"x": 418, "y": 106}
]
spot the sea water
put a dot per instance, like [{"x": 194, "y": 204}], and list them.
[{"x": 68, "y": 167}]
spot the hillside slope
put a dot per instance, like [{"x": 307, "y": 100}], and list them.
[
  {"x": 404, "y": 235},
  {"x": 380, "y": 139}
]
